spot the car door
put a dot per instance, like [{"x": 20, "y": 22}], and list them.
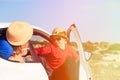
[{"x": 84, "y": 72}]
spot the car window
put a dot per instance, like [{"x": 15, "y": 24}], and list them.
[
  {"x": 35, "y": 42},
  {"x": 38, "y": 41}
]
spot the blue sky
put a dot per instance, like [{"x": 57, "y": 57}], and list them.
[{"x": 96, "y": 20}]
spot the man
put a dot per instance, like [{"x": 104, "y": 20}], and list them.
[{"x": 17, "y": 34}]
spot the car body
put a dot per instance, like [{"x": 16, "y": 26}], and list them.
[{"x": 35, "y": 71}]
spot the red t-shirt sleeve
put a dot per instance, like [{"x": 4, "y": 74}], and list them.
[{"x": 43, "y": 50}]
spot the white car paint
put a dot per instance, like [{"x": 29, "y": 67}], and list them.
[{"x": 21, "y": 71}]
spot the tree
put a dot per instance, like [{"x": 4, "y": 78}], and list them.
[{"x": 89, "y": 47}]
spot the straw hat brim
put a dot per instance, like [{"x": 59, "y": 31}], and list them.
[{"x": 18, "y": 33}]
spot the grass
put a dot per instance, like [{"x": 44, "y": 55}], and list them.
[{"x": 105, "y": 69}]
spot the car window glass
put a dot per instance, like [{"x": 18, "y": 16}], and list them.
[{"x": 38, "y": 41}]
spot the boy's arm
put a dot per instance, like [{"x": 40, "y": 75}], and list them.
[{"x": 43, "y": 50}]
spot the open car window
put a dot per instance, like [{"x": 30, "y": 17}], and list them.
[
  {"x": 40, "y": 38},
  {"x": 38, "y": 41}
]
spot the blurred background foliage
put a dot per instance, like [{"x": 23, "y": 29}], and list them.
[{"x": 104, "y": 61}]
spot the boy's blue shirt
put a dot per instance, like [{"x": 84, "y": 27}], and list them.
[{"x": 6, "y": 49}]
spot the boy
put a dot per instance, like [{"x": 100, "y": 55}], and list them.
[{"x": 55, "y": 54}]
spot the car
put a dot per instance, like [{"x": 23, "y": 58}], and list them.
[{"x": 33, "y": 70}]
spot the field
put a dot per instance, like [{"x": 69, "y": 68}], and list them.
[{"x": 105, "y": 65}]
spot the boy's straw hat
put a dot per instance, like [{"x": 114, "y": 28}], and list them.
[
  {"x": 59, "y": 32},
  {"x": 18, "y": 33}
]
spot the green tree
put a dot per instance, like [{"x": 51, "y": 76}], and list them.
[
  {"x": 89, "y": 47},
  {"x": 114, "y": 47}
]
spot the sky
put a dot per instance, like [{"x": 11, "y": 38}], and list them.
[{"x": 96, "y": 20}]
